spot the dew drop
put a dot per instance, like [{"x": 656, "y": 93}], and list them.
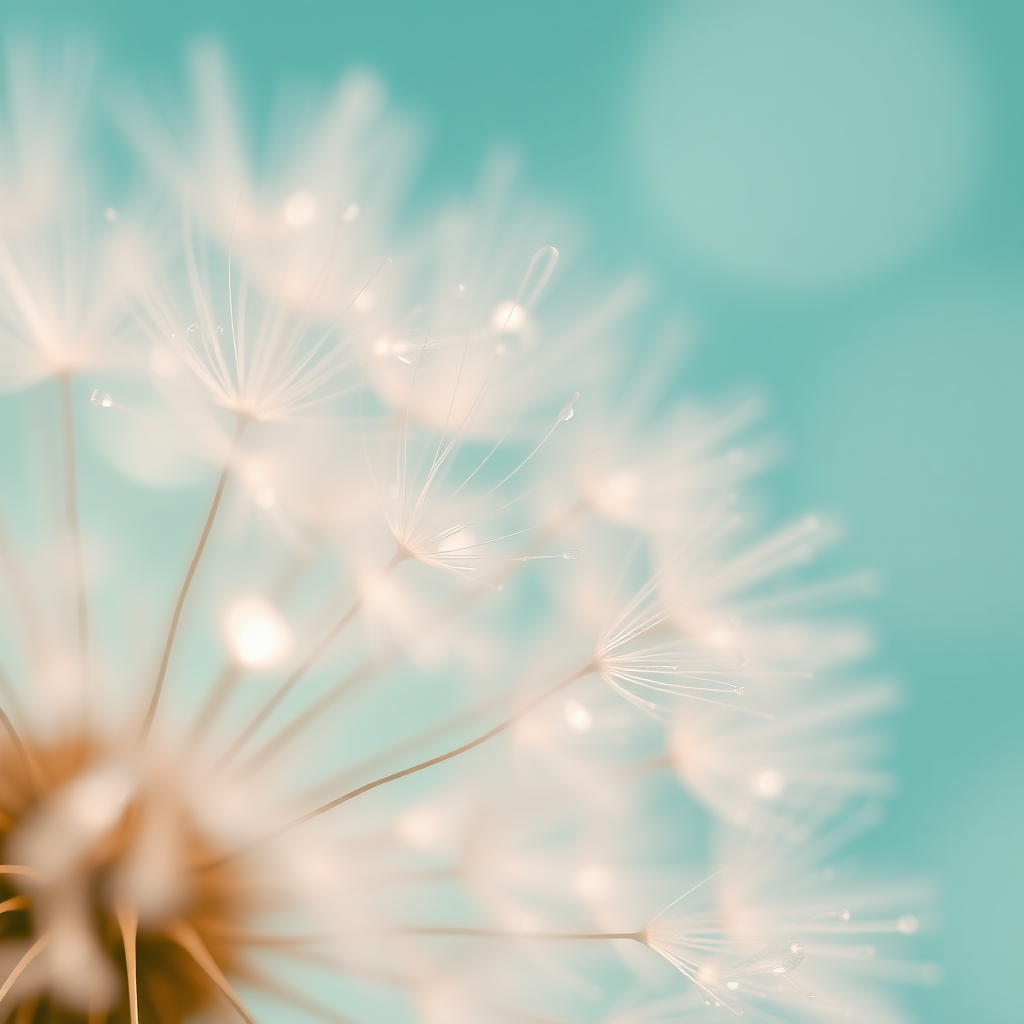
[
  {"x": 351, "y": 212},
  {"x": 567, "y": 409},
  {"x": 572, "y": 554},
  {"x": 191, "y": 329},
  {"x": 537, "y": 276},
  {"x": 387, "y": 262},
  {"x": 101, "y": 398},
  {"x": 220, "y": 330}
]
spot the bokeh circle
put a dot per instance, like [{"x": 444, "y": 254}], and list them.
[{"x": 802, "y": 143}]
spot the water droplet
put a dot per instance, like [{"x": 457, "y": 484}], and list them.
[
  {"x": 537, "y": 276},
  {"x": 784, "y": 954},
  {"x": 191, "y": 329},
  {"x": 387, "y": 262},
  {"x": 567, "y": 410},
  {"x": 571, "y": 554},
  {"x": 110, "y": 214},
  {"x": 101, "y": 398},
  {"x": 351, "y": 212},
  {"x": 220, "y": 330}
]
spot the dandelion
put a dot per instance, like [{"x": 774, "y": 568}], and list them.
[{"x": 322, "y": 698}]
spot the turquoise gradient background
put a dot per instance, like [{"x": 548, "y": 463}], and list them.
[{"x": 831, "y": 195}]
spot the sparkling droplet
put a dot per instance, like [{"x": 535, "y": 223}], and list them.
[
  {"x": 351, "y": 212},
  {"x": 572, "y": 554},
  {"x": 567, "y": 410},
  {"x": 538, "y": 274},
  {"x": 101, "y": 398},
  {"x": 387, "y": 262},
  {"x": 220, "y": 330},
  {"x": 191, "y": 329},
  {"x": 110, "y": 214}
]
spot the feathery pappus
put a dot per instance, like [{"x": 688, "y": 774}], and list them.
[{"x": 382, "y": 637}]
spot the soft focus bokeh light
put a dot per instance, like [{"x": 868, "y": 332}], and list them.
[
  {"x": 853, "y": 247},
  {"x": 257, "y": 635},
  {"x": 802, "y": 143}
]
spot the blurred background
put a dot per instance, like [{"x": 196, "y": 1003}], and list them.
[{"x": 830, "y": 196}]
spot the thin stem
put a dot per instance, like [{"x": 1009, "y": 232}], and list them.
[
  {"x": 33, "y": 951},
  {"x": 186, "y": 937},
  {"x": 303, "y": 667},
  {"x": 490, "y": 933},
  {"x": 67, "y": 419},
  {"x": 351, "y": 680},
  {"x": 161, "y": 674},
  {"x": 228, "y": 677},
  {"x": 412, "y": 770},
  {"x": 128, "y": 920},
  {"x": 23, "y": 756}
]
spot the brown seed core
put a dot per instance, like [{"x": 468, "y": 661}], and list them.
[{"x": 171, "y": 985}]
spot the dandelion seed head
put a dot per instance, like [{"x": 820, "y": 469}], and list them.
[{"x": 309, "y": 679}]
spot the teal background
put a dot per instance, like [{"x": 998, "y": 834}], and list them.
[{"x": 889, "y": 345}]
